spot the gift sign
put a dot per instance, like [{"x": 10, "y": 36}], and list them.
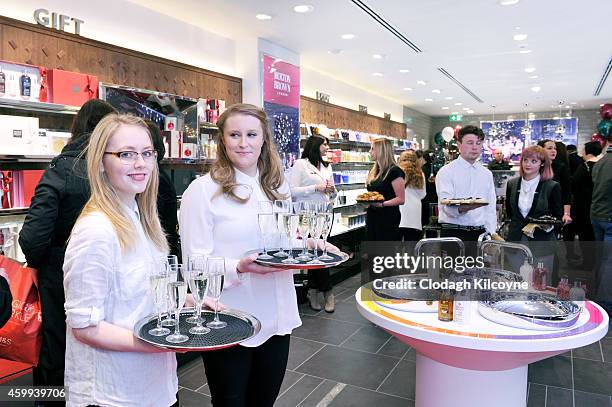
[{"x": 281, "y": 82}]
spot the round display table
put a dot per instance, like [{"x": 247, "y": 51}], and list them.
[{"x": 479, "y": 363}]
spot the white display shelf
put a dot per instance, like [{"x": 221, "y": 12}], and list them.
[{"x": 34, "y": 106}]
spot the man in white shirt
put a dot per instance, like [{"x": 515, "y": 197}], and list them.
[{"x": 464, "y": 178}]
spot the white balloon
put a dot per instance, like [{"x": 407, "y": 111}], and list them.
[{"x": 448, "y": 133}]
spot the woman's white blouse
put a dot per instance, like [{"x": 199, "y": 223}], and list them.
[
  {"x": 211, "y": 224},
  {"x": 526, "y": 194},
  {"x": 103, "y": 284},
  {"x": 304, "y": 178},
  {"x": 411, "y": 208}
]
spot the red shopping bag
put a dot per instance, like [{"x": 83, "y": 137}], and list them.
[{"x": 21, "y": 336}]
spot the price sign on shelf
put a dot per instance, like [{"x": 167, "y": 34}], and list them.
[{"x": 455, "y": 118}]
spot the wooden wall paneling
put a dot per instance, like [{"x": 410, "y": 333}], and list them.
[{"x": 28, "y": 47}]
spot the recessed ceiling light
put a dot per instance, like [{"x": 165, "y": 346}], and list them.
[
  {"x": 262, "y": 16},
  {"x": 520, "y": 37},
  {"x": 303, "y": 8},
  {"x": 458, "y": 104},
  {"x": 347, "y": 36},
  {"x": 335, "y": 51},
  {"x": 573, "y": 103},
  {"x": 508, "y": 2},
  {"x": 407, "y": 88},
  {"x": 445, "y": 108},
  {"x": 533, "y": 76},
  {"x": 378, "y": 56},
  {"x": 429, "y": 100},
  {"x": 404, "y": 70},
  {"x": 377, "y": 74},
  {"x": 536, "y": 88},
  {"x": 421, "y": 83},
  {"x": 435, "y": 91},
  {"x": 466, "y": 108},
  {"x": 525, "y": 51},
  {"x": 470, "y": 112},
  {"x": 568, "y": 107},
  {"x": 449, "y": 98},
  {"x": 530, "y": 69}
]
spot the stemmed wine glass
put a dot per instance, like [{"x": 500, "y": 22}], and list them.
[
  {"x": 178, "y": 294},
  {"x": 172, "y": 265},
  {"x": 268, "y": 226},
  {"x": 195, "y": 263},
  {"x": 158, "y": 281},
  {"x": 197, "y": 276},
  {"x": 328, "y": 216},
  {"x": 315, "y": 228},
  {"x": 290, "y": 226},
  {"x": 216, "y": 277},
  {"x": 281, "y": 207},
  {"x": 301, "y": 208}
]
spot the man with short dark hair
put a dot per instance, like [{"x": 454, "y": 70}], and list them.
[
  {"x": 463, "y": 178},
  {"x": 498, "y": 163}
]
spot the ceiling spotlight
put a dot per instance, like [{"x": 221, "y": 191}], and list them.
[
  {"x": 466, "y": 108},
  {"x": 421, "y": 83},
  {"x": 536, "y": 88},
  {"x": 525, "y": 51},
  {"x": 458, "y": 104},
  {"x": 303, "y": 8},
  {"x": 448, "y": 98},
  {"x": 508, "y": 2},
  {"x": 530, "y": 69},
  {"x": 347, "y": 36},
  {"x": 263, "y": 16},
  {"x": 520, "y": 37},
  {"x": 407, "y": 88},
  {"x": 378, "y": 56},
  {"x": 445, "y": 108},
  {"x": 429, "y": 100},
  {"x": 435, "y": 91},
  {"x": 377, "y": 74},
  {"x": 404, "y": 70},
  {"x": 470, "y": 112}
]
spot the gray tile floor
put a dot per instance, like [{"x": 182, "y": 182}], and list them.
[{"x": 341, "y": 359}]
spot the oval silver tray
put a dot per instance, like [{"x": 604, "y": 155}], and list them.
[
  {"x": 301, "y": 265},
  {"x": 529, "y": 310},
  {"x": 241, "y": 327}
]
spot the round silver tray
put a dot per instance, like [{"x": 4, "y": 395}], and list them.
[
  {"x": 339, "y": 258},
  {"x": 240, "y": 327},
  {"x": 529, "y": 310}
]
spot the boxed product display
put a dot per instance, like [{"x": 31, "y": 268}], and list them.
[
  {"x": 19, "y": 81},
  {"x": 18, "y": 135},
  {"x": 71, "y": 88}
]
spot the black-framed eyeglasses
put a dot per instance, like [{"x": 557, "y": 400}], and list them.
[{"x": 130, "y": 157}]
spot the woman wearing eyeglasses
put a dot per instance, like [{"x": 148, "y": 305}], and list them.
[
  {"x": 109, "y": 257},
  {"x": 219, "y": 218}
]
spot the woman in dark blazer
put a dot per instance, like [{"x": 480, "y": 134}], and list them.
[{"x": 534, "y": 194}]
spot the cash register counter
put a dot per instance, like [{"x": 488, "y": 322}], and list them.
[{"x": 480, "y": 363}]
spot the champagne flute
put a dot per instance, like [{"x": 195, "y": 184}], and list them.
[
  {"x": 195, "y": 263},
  {"x": 328, "y": 217},
  {"x": 280, "y": 207},
  {"x": 172, "y": 266},
  {"x": 158, "y": 280},
  {"x": 303, "y": 228},
  {"x": 198, "y": 283},
  {"x": 216, "y": 276},
  {"x": 268, "y": 226},
  {"x": 178, "y": 294},
  {"x": 312, "y": 228},
  {"x": 290, "y": 226}
]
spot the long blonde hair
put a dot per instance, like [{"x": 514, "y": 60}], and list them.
[
  {"x": 104, "y": 197},
  {"x": 269, "y": 164},
  {"x": 409, "y": 162},
  {"x": 385, "y": 159}
]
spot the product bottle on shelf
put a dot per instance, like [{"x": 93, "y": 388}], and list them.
[
  {"x": 446, "y": 306},
  {"x": 526, "y": 271},
  {"x": 462, "y": 308},
  {"x": 563, "y": 289},
  {"x": 25, "y": 85},
  {"x": 539, "y": 277},
  {"x": 12, "y": 85},
  {"x": 2, "y": 82},
  {"x": 577, "y": 294}
]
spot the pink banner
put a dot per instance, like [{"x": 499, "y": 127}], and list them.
[{"x": 281, "y": 82}]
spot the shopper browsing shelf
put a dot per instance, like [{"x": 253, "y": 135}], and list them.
[
  {"x": 535, "y": 195},
  {"x": 311, "y": 179},
  {"x": 219, "y": 217},
  {"x": 465, "y": 178},
  {"x": 411, "y": 228},
  {"x": 114, "y": 243},
  {"x": 59, "y": 197},
  {"x": 386, "y": 178}
]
